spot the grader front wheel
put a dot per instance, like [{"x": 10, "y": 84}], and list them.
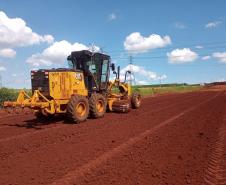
[
  {"x": 78, "y": 108},
  {"x": 97, "y": 104},
  {"x": 135, "y": 100}
]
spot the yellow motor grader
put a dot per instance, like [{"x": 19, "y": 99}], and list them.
[{"x": 79, "y": 91}]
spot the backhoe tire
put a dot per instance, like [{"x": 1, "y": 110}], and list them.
[
  {"x": 135, "y": 100},
  {"x": 97, "y": 104},
  {"x": 78, "y": 108}
]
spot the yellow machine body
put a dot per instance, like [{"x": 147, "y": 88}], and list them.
[
  {"x": 124, "y": 92},
  {"x": 81, "y": 90},
  {"x": 61, "y": 85}
]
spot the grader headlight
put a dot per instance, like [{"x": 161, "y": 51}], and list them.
[
  {"x": 46, "y": 74},
  {"x": 32, "y": 75}
]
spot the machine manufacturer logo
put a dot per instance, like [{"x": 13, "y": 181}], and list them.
[{"x": 78, "y": 76}]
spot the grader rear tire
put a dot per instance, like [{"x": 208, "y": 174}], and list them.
[
  {"x": 97, "y": 103},
  {"x": 135, "y": 100},
  {"x": 78, "y": 108}
]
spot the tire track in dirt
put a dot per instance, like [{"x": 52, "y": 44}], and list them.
[
  {"x": 49, "y": 156},
  {"x": 73, "y": 176},
  {"x": 216, "y": 169},
  {"x": 175, "y": 154},
  {"x": 24, "y": 147}
]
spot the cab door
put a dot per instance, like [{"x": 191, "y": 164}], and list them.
[{"x": 104, "y": 74}]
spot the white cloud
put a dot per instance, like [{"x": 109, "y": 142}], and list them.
[
  {"x": 184, "y": 55},
  {"x": 34, "y": 69},
  {"x": 213, "y": 24},
  {"x": 15, "y": 33},
  {"x": 207, "y": 57},
  {"x": 179, "y": 25},
  {"x": 2, "y": 68},
  {"x": 142, "y": 82},
  {"x": 18, "y": 74},
  {"x": 137, "y": 43},
  {"x": 141, "y": 71},
  {"x": 199, "y": 47},
  {"x": 162, "y": 77},
  {"x": 7, "y": 53},
  {"x": 56, "y": 53},
  {"x": 220, "y": 56},
  {"x": 221, "y": 80},
  {"x": 112, "y": 17}
]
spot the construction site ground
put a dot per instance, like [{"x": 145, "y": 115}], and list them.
[{"x": 172, "y": 139}]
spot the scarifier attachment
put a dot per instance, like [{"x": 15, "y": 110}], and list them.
[{"x": 37, "y": 101}]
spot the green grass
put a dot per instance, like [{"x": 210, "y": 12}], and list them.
[
  {"x": 147, "y": 91},
  {"x": 7, "y": 94}
]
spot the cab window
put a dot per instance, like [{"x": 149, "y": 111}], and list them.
[
  {"x": 70, "y": 64},
  {"x": 104, "y": 71}
]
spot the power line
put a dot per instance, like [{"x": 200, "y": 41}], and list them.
[
  {"x": 204, "y": 45},
  {"x": 154, "y": 57},
  {"x": 203, "y": 52}
]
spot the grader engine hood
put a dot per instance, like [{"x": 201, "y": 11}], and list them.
[
  {"x": 51, "y": 91},
  {"x": 58, "y": 83}
]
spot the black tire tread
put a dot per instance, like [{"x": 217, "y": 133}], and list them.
[
  {"x": 134, "y": 97},
  {"x": 92, "y": 104},
  {"x": 75, "y": 99}
]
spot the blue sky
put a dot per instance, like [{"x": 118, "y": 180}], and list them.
[{"x": 172, "y": 41}]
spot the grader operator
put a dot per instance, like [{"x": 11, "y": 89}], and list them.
[{"x": 79, "y": 91}]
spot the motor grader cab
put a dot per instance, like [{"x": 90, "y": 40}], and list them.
[
  {"x": 79, "y": 91},
  {"x": 95, "y": 67}
]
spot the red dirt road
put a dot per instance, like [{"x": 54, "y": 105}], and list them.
[{"x": 171, "y": 139}]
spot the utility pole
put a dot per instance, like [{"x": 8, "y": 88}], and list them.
[
  {"x": 130, "y": 64},
  {"x": 0, "y": 81}
]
